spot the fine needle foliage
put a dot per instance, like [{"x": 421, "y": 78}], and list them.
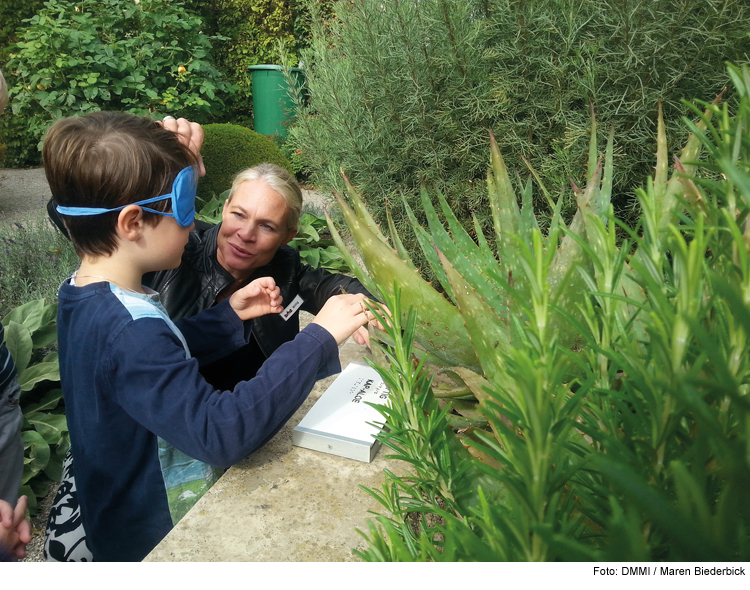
[{"x": 579, "y": 398}]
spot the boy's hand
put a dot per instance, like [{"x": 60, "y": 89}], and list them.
[
  {"x": 189, "y": 134},
  {"x": 342, "y": 315},
  {"x": 258, "y": 298},
  {"x": 362, "y": 335},
  {"x": 15, "y": 528}
]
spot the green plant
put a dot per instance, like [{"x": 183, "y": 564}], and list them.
[
  {"x": 29, "y": 332},
  {"x": 77, "y": 57},
  {"x": 12, "y": 14},
  {"x": 229, "y": 149},
  {"x": 403, "y": 92},
  {"x": 314, "y": 247},
  {"x": 603, "y": 387},
  {"x": 34, "y": 260},
  {"x": 252, "y": 30}
]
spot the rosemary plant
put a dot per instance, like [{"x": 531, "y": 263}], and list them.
[{"x": 613, "y": 378}]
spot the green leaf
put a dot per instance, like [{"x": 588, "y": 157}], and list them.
[
  {"x": 29, "y": 314},
  {"x": 50, "y": 426},
  {"x": 38, "y": 454},
  {"x": 39, "y": 372},
  {"x": 19, "y": 343},
  {"x": 441, "y": 328},
  {"x": 45, "y": 335},
  {"x": 49, "y": 402}
]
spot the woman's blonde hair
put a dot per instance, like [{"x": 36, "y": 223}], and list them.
[{"x": 278, "y": 179}]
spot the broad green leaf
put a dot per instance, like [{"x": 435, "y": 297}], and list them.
[
  {"x": 19, "y": 343},
  {"x": 37, "y": 373},
  {"x": 50, "y": 426},
  {"x": 45, "y": 335},
  {"x": 361, "y": 275},
  {"x": 488, "y": 334},
  {"x": 38, "y": 451},
  {"x": 29, "y": 314},
  {"x": 49, "y": 402}
]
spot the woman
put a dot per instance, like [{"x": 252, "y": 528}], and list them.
[{"x": 260, "y": 217}]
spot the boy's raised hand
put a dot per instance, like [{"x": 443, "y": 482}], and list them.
[
  {"x": 342, "y": 315},
  {"x": 257, "y": 298},
  {"x": 189, "y": 133},
  {"x": 15, "y": 528}
]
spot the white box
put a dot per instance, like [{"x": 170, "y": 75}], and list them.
[{"x": 338, "y": 422}]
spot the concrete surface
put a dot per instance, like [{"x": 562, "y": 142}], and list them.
[
  {"x": 23, "y": 194},
  {"x": 283, "y": 503}
]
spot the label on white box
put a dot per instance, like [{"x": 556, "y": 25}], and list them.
[{"x": 341, "y": 422}]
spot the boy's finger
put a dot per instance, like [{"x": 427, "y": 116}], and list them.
[
  {"x": 19, "y": 514},
  {"x": 6, "y": 514}
]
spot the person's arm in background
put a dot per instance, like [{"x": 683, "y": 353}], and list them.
[{"x": 15, "y": 530}]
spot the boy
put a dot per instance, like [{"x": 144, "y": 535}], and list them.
[{"x": 149, "y": 434}]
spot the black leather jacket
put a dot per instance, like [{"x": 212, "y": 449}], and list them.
[{"x": 195, "y": 284}]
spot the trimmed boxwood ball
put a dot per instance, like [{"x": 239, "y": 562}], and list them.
[{"x": 229, "y": 149}]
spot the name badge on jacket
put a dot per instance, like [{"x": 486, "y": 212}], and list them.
[{"x": 289, "y": 310}]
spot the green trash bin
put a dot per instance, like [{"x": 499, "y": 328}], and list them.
[{"x": 272, "y": 106}]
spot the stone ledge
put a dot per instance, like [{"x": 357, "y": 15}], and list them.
[{"x": 283, "y": 503}]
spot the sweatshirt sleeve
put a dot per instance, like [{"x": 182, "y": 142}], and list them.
[
  {"x": 214, "y": 333},
  {"x": 164, "y": 392}
]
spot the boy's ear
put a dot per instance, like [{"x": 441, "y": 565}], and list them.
[{"x": 130, "y": 223}]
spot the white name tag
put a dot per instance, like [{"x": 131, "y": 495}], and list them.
[{"x": 292, "y": 307}]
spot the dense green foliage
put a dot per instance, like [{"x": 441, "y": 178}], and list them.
[
  {"x": 78, "y": 57},
  {"x": 12, "y": 15},
  {"x": 34, "y": 260},
  {"x": 252, "y": 32},
  {"x": 601, "y": 389},
  {"x": 229, "y": 149},
  {"x": 407, "y": 89},
  {"x": 29, "y": 331}
]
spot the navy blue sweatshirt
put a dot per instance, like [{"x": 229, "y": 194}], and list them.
[{"x": 150, "y": 435}]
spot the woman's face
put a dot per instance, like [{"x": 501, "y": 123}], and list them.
[{"x": 253, "y": 227}]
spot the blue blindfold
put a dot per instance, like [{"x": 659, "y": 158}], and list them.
[{"x": 183, "y": 193}]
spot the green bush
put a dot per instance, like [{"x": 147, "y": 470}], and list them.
[
  {"x": 578, "y": 400},
  {"x": 34, "y": 259},
  {"x": 252, "y": 31},
  {"x": 229, "y": 149},
  {"x": 12, "y": 14},
  {"x": 403, "y": 91},
  {"x": 78, "y": 57}
]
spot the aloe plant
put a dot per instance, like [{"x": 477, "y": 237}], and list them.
[{"x": 612, "y": 376}]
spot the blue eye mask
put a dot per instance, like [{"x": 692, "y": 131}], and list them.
[{"x": 183, "y": 192}]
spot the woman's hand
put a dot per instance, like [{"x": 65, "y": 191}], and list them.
[{"x": 257, "y": 298}]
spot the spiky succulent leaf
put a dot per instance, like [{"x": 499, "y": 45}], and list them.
[
  {"x": 361, "y": 275},
  {"x": 441, "y": 328}
]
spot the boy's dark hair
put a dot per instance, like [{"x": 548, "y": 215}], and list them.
[{"x": 109, "y": 159}]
